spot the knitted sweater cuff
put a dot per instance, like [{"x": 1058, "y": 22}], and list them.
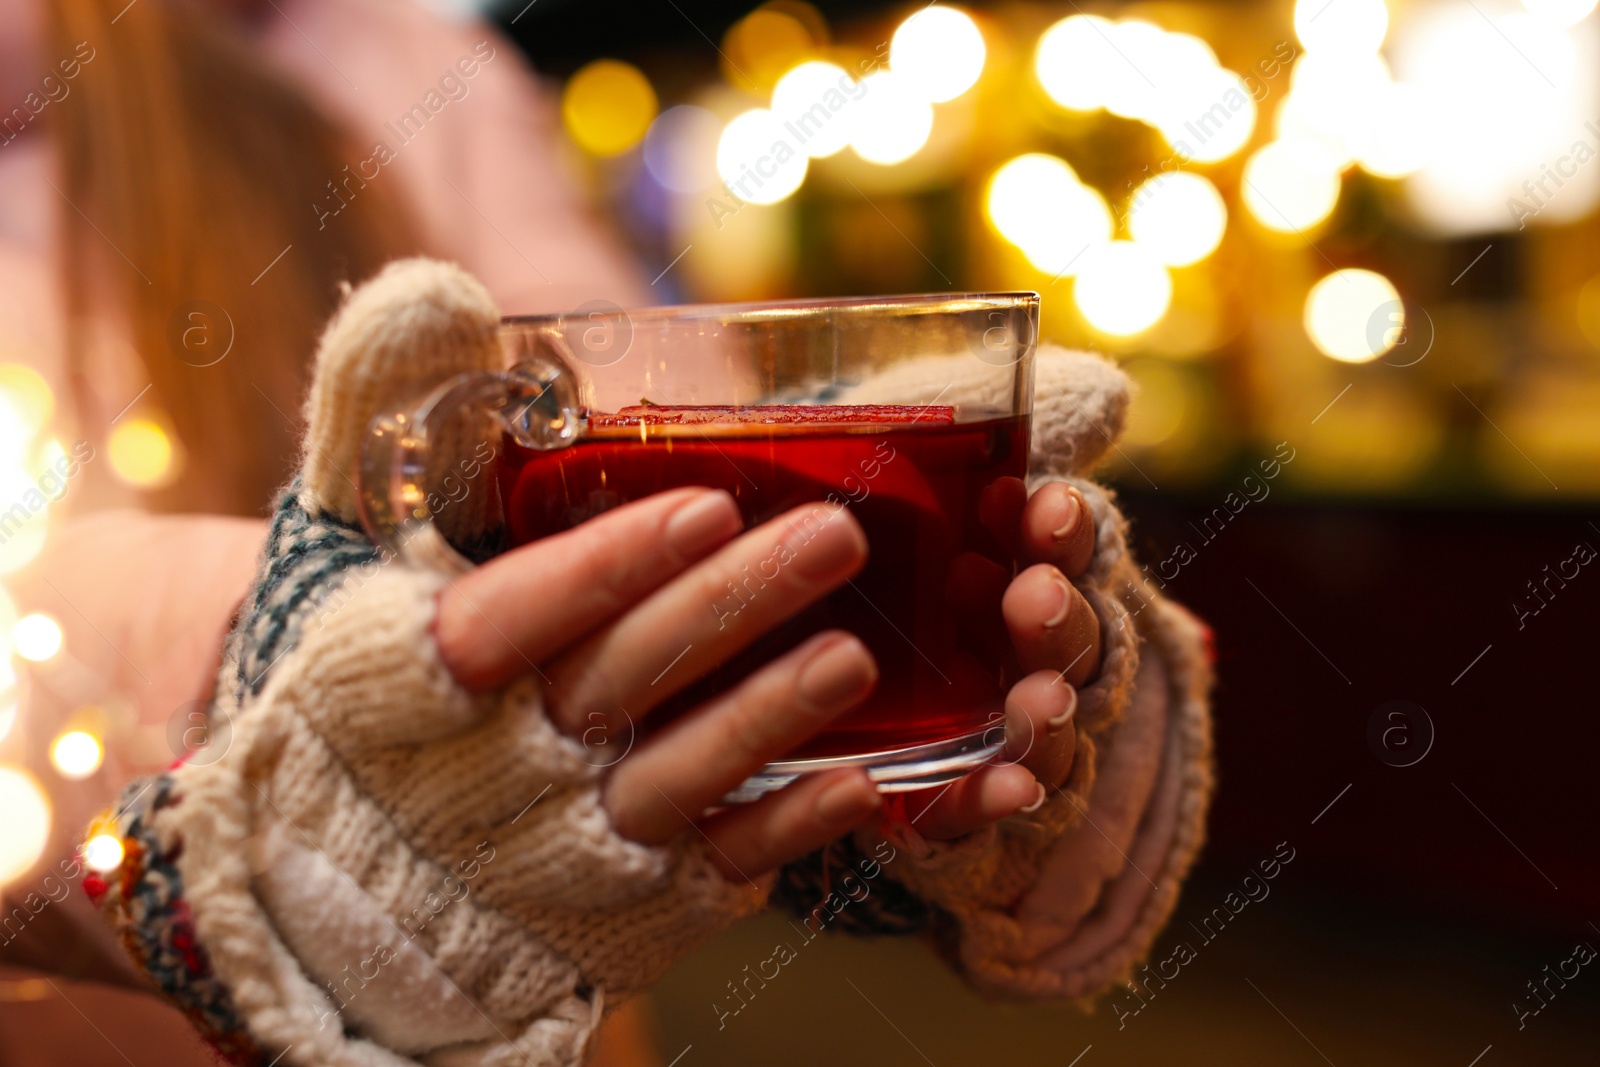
[
  {"x": 385, "y": 870},
  {"x": 1063, "y": 901}
]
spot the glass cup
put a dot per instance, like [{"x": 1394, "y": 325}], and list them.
[{"x": 912, "y": 411}]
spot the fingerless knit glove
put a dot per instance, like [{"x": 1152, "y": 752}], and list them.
[
  {"x": 382, "y": 868},
  {"x": 1061, "y": 902}
]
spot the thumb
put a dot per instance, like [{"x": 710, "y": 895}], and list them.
[
  {"x": 416, "y": 323},
  {"x": 1079, "y": 408}
]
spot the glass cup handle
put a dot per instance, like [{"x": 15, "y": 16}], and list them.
[{"x": 536, "y": 401}]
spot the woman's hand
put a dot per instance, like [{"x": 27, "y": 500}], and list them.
[
  {"x": 619, "y": 614},
  {"x": 1056, "y": 636}
]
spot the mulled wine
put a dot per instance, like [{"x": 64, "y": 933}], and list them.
[{"x": 929, "y": 491}]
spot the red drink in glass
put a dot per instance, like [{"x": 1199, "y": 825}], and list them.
[{"x": 927, "y": 603}]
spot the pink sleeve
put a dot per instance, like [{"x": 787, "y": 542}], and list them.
[{"x": 480, "y": 157}]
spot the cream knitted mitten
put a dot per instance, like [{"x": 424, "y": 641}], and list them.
[
  {"x": 381, "y": 868},
  {"x": 1024, "y": 908}
]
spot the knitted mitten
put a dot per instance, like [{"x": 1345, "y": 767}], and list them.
[
  {"x": 382, "y": 868},
  {"x": 1143, "y": 720}
]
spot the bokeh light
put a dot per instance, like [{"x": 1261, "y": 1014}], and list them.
[
  {"x": 1496, "y": 123},
  {"x": 29, "y": 394},
  {"x": 1209, "y": 116},
  {"x": 1074, "y": 61},
  {"x": 1353, "y": 315},
  {"x": 1038, "y": 204},
  {"x": 1290, "y": 185},
  {"x": 1348, "y": 26},
  {"x": 1179, "y": 217},
  {"x": 26, "y": 826},
  {"x": 939, "y": 52},
  {"x": 8, "y": 715},
  {"x": 102, "y": 852},
  {"x": 891, "y": 122},
  {"x": 680, "y": 150},
  {"x": 77, "y": 754},
  {"x": 759, "y": 47},
  {"x": 607, "y": 107},
  {"x": 1560, "y": 12},
  {"x": 1122, "y": 289},
  {"x": 1336, "y": 99},
  {"x": 758, "y": 159},
  {"x": 1401, "y": 139},
  {"x": 141, "y": 453},
  {"x": 818, "y": 102},
  {"x": 36, "y": 637},
  {"x": 1137, "y": 70}
]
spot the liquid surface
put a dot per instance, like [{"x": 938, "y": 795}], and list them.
[{"x": 929, "y": 493}]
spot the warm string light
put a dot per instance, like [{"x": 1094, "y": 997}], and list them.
[
  {"x": 1136, "y": 70},
  {"x": 1354, "y": 316},
  {"x": 26, "y": 826},
  {"x": 77, "y": 754}
]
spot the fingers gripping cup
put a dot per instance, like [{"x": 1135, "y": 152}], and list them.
[{"x": 912, "y": 411}]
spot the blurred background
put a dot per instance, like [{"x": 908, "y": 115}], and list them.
[{"x": 1360, "y": 235}]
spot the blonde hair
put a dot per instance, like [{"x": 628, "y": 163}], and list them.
[{"x": 198, "y": 165}]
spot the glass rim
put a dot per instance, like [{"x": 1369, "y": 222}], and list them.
[{"x": 757, "y": 311}]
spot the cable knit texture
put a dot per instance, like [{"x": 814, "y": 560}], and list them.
[
  {"x": 383, "y": 869},
  {"x": 1065, "y": 900}
]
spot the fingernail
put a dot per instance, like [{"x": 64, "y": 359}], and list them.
[
  {"x": 1070, "y": 522},
  {"x": 1064, "y": 606},
  {"x": 847, "y": 802},
  {"x": 703, "y": 523},
  {"x": 1038, "y": 800},
  {"x": 839, "y": 670},
  {"x": 825, "y": 541},
  {"x": 1062, "y": 721}
]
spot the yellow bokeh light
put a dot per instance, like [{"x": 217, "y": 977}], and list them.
[
  {"x": 1179, "y": 217},
  {"x": 8, "y": 716},
  {"x": 607, "y": 107},
  {"x": 1341, "y": 25},
  {"x": 25, "y": 544},
  {"x": 1038, "y": 204},
  {"x": 1131, "y": 90},
  {"x": 1402, "y": 138},
  {"x": 1336, "y": 99},
  {"x": 818, "y": 102},
  {"x": 102, "y": 852},
  {"x": 1290, "y": 184},
  {"x": 26, "y": 826},
  {"x": 36, "y": 637},
  {"x": 1209, "y": 116},
  {"x": 29, "y": 394},
  {"x": 1354, "y": 315},
  {"x": 939, "y": 52},
  {"x": 1560, "y": 12},
  {"x": 1075, "y": 62},
  {"x": 892, "y": 122},
  {"x": 141, "y": 452},
  {"x": 77, "y": 754},
  {"x": 1122, "y": 289},
  {"x": 759, "y": 47},
  {"x": 759, "y": 159}
]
